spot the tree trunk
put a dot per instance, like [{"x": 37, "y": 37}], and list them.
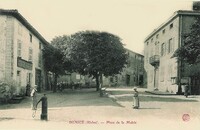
[
  {"x": 179, "y": 77},
  {"x": 101, "y": 79},
  {"x": 55, "y": 82},
  {"x": 97, "y": 82},
  {"x": 179, "y": 89},
  {"x": 100, "y": 86},
  {"x": 47, "y": 81}
]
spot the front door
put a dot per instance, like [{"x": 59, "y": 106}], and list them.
[
  {"x": 127, "y": 80},
  {"x": 195, "y": 83}
]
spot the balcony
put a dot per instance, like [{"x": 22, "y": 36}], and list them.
[{"x": 154, "y": 60}]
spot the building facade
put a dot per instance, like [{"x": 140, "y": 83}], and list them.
[
  {"x": 132, "y": 75},
  {"x": 20, "y": 51},
  {"x": 165, "y": 73}
]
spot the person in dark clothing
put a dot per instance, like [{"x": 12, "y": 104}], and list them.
[
  {"x": 186, "y": 90},
  {"x": 28, "y": 90}
]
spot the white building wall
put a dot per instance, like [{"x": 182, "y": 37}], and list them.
[
  {"x": 24, "y": 37},
  {"x": 9, "y": 37},
  {"x": 168, "y": 65},
  {"x": 2, "y": 45}
]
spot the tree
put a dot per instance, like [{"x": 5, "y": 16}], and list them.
[
  {"x": 54, "y": 62},
  {"x": 189, "y": 52},
  {"x": 64, "y": 45},
  {"x": 96, "y": 54}
]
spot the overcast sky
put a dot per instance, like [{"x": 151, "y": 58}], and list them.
[{"x": 131, "y": 20}]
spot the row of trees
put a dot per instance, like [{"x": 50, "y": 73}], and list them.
[{"x": 90, "y": 53}]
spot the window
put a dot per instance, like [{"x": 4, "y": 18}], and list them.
[
  {"x": 157, "y": 36},
  {"x": 163, "y": 31},
  {"x": 147, "y": 43},
  {"x": 163, "y": 49},
  {"x": 31, "y": 37},
  {"x": 151, "y": 39},
  {"x": 157, "y": 49},
  {"x": 18, "y": 73},
  {"x": 19, "y": 77},
  {"x": 40, "y": 45},
  {"x": 170, "y": 46},
  {"x": 39, "y": 60},
  {"x": 19, "y": 48},
  {"x": 30, "y": 54},
  {"x": 174, "y": 80},
  {"x": 171, "y": 26}
]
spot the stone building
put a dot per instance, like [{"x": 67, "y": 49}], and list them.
[
  {"x": 20, "y": 50},
  {"x": 165, "y": 73},
  {"x": 132, "y": 75}
]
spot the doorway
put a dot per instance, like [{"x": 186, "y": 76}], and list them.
[
  {"x": 127, "y": 80},
  {"x": 195, "y": 83}
]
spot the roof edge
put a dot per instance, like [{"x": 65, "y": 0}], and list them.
[
  {"x": 18, "y": 16},
  {"x": 176, "y": 14},
  {"x": 133, "y": 52}
]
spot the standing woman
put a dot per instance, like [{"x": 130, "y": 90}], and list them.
[
  {"x": 34, "y": 97},
  {"x": 136, "y": 103}
]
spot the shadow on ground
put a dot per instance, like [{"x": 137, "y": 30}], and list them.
[
  {"x": 5, "y": 118},
  {"x": 149, "y": 108},
  {"x": 154, "y": 99}
]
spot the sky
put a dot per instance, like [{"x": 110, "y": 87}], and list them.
[{"x": 131, "y": 20}]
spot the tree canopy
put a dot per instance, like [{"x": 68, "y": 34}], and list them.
[
  {"x": 190, "y": 50},
  {"x": 55, "y": 61},
  {"x": 90, "y": 53},
  {"x": 97, "y": 53}
]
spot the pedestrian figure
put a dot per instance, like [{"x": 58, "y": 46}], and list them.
[
  {"x": 135, "y": 99},
  {"x": 28, "y": 89},
  {"x": 186, "y": 90},
  {"x": 34, "y": 97}
]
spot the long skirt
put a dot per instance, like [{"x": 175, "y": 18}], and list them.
[
  {"x": 34, "y": 103},
  {"x": 136, "y": 103}
]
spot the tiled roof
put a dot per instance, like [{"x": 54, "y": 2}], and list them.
[{"x": 19, "y": 17}]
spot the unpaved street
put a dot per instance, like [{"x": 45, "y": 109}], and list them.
[{"x": 84, "y": 108}]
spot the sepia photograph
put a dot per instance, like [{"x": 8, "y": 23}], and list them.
[{"x": 99, "y": 64}]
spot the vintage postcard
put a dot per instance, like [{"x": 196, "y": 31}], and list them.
[{"x": 99, "y": 64}]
